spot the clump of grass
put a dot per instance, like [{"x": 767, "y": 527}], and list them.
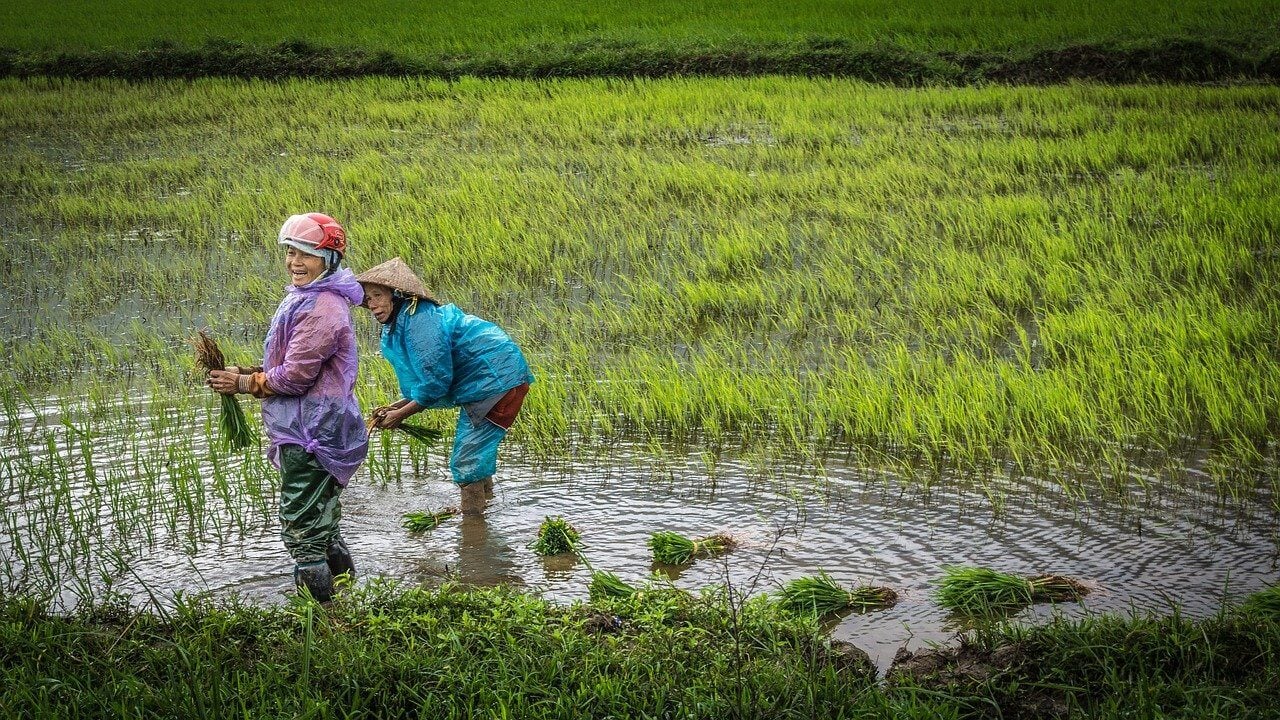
[
  {"x": 420, "y": 521},
  {"x": 1265, "y": 602},
  {"x": 821, "y": 595},
  {"x": 555, "y": 537},
  {"x": 675, "y": 549},
  {"x": 236, "y": 431},
  {"x": 605, "y": 584},
  {"x": 976, "y": 590}
]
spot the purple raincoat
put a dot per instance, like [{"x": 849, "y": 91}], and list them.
[{"x": 310, "y": 362}]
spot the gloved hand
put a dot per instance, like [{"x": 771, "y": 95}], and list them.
[{"x": 223, "y": 381}]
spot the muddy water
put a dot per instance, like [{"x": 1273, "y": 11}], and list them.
[{"x": 1179, "y": 547}]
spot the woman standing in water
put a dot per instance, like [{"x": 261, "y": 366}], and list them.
[
  {"x": 306, "y": 384},
  {"x": 444, "y": 358}
]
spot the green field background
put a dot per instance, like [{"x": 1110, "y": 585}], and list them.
[{"x": 484, "y": 27}]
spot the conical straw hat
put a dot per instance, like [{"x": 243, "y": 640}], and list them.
[{"x": 396, "y": 275}]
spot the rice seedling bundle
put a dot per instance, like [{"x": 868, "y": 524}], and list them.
[
  {"x": 426, "y": 436},
  {"x": 821, "y": 595},
  {"x": 605, "y": 584},
  {"x": 236, "y": 431},
  {"x": 1265, "y": 602},
  {"x": 420, "y": 521},
  {"x": 976, "y": 590},
  {"x": 675, "y": 549},
  {"x": 556, "y": 537}
]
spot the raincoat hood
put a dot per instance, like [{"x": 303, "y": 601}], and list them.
[{"x": 343, "y": 282}]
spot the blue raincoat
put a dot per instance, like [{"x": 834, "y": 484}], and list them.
[{"x": 444, "y": 358}]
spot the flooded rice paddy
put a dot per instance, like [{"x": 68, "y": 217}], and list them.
[{"x": 150, "y": 509}]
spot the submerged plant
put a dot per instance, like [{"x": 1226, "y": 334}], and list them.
[
  {"x": 555, "y": 537},
  {"x": 976, "y": 590},
  {"x": 423, "y": 521},
  {"x": 236, "y": 431},
  {"x": 821, "y": 595},
  {"x": 672, "y": 548}
]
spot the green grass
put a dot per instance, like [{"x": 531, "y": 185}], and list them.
[
  {"x": 384, "y": 652},
  {"x": 1076, "y": 278},
  {"x": 904, "y": 42},
  {"x": 502, "y": 26}
]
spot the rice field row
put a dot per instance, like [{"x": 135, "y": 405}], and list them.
[
  {"x": 498, "y": 27},
  {"x": 1068, "y": 276}
]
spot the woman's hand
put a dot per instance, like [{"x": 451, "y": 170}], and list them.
[
  {"x": 390, "y": 417},
  {"x": 224, "y": 382}
]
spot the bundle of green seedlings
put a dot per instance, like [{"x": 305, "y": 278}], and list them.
[
  {"x": 426, "y": 436},
  {"x": 236, "y": 431},
  {"x": 420, "y": 521},
  {"x": 605, "y": 584},
  {"x": 821, "y": 595},
  {"x": 976, "y": 590},
  {"x": 1265, "y": 602},
  {"x": 672, "y": 548},
  {"x": 556, "y": 537}
]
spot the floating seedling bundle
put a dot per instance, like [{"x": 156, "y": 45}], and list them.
[
  {"x": 821, "y": 595},
  {"x": 976, "y": 590},
  {"x": 672, "y": 548},
  {"x": 236, "y": 431},
  {"x": 420, "y": 521},
  {"x": 605, "y": 584},
  {"x": 555, "y": 537}
]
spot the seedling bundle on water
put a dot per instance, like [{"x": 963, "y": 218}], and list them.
[
  {"x": 821, "y": 595},
  {"x": 420, "y": 521},
  {"x": 234, "y": 425},
  {"x": 672, "y": 548},
  {"x": 556, "y": 537},
  {"x": 975, "y": 590}
]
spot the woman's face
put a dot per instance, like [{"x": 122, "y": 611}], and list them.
[
  {"x": 302, "y": 267},
  {"x": 378, "y": 299}
]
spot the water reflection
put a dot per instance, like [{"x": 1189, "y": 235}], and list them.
[{"x": 485, "y": 558}]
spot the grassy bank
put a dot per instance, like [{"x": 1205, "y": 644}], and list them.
[
  {"x": 1060, "y": 274},
  {"x": 902, "y": 42},
  {"x": 462, "y": 653}
]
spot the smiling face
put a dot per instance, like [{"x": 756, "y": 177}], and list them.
[
  {"x": 379, "y": 301},
  {"x": 302, "y": 267}
]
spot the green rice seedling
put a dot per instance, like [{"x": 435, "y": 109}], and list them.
[
  {"x": 976, "y": 590},
  {"x": 420, "y": 521},
  {"x": 1265, "y": 602},
  {"x": 236, "y": 430},
  {"x": 426, "y": 436},
  {"x": 672, "y": 548},
  {"x": 821, "y": 595},
  {"x": 605, "y": 584},
  {"x": 556, "y": 537}
]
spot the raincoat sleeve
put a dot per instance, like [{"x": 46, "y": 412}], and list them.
[
  {"x": 430, "y": 349},
  {"x": 313, "y": 341}
]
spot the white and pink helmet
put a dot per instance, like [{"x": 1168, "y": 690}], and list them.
[{"x": 314, "y": 233}]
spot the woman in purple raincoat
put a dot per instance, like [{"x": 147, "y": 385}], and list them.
[{"x": 306, "y": 383}]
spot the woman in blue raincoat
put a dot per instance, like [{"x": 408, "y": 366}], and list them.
[{"x": 446, "y": 358}]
